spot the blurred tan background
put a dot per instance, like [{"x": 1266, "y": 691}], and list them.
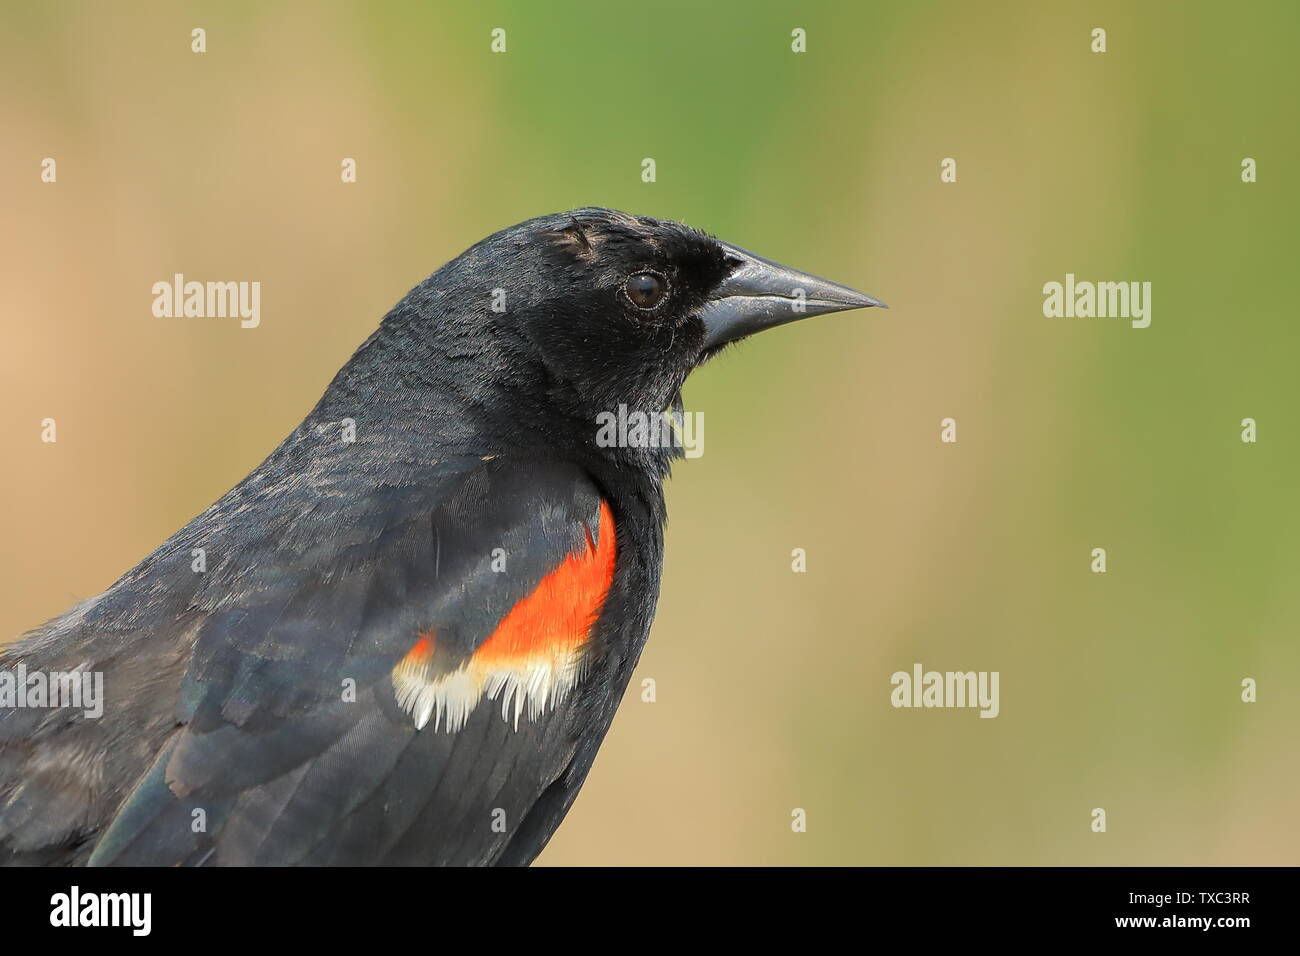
[{"x": 1118, "y": 690}]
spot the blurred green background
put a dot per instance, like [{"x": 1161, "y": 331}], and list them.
[{"x": 1118, "y": 690}]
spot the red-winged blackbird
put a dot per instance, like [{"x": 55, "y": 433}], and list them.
[{"x": 412, "y": 624}]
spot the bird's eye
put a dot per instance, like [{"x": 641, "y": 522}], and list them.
[{"x": 645, "y": 289}]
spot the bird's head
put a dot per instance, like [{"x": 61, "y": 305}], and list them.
[{"x": 570, "y": 316}]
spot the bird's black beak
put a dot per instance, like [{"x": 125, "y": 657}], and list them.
[{"x": 762, "y": 294}]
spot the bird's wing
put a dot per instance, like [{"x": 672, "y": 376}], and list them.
[{"x": 407, "y": 699}]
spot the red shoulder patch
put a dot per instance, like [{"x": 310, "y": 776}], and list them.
[
  {"x": 559, "y": 613},
  {"x": 535, "y": 656}
]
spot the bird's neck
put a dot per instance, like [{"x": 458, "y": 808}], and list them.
[{"x": 402, "y": 402}]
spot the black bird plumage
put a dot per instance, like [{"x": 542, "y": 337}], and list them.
[{"x": 226, "y": 691}]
